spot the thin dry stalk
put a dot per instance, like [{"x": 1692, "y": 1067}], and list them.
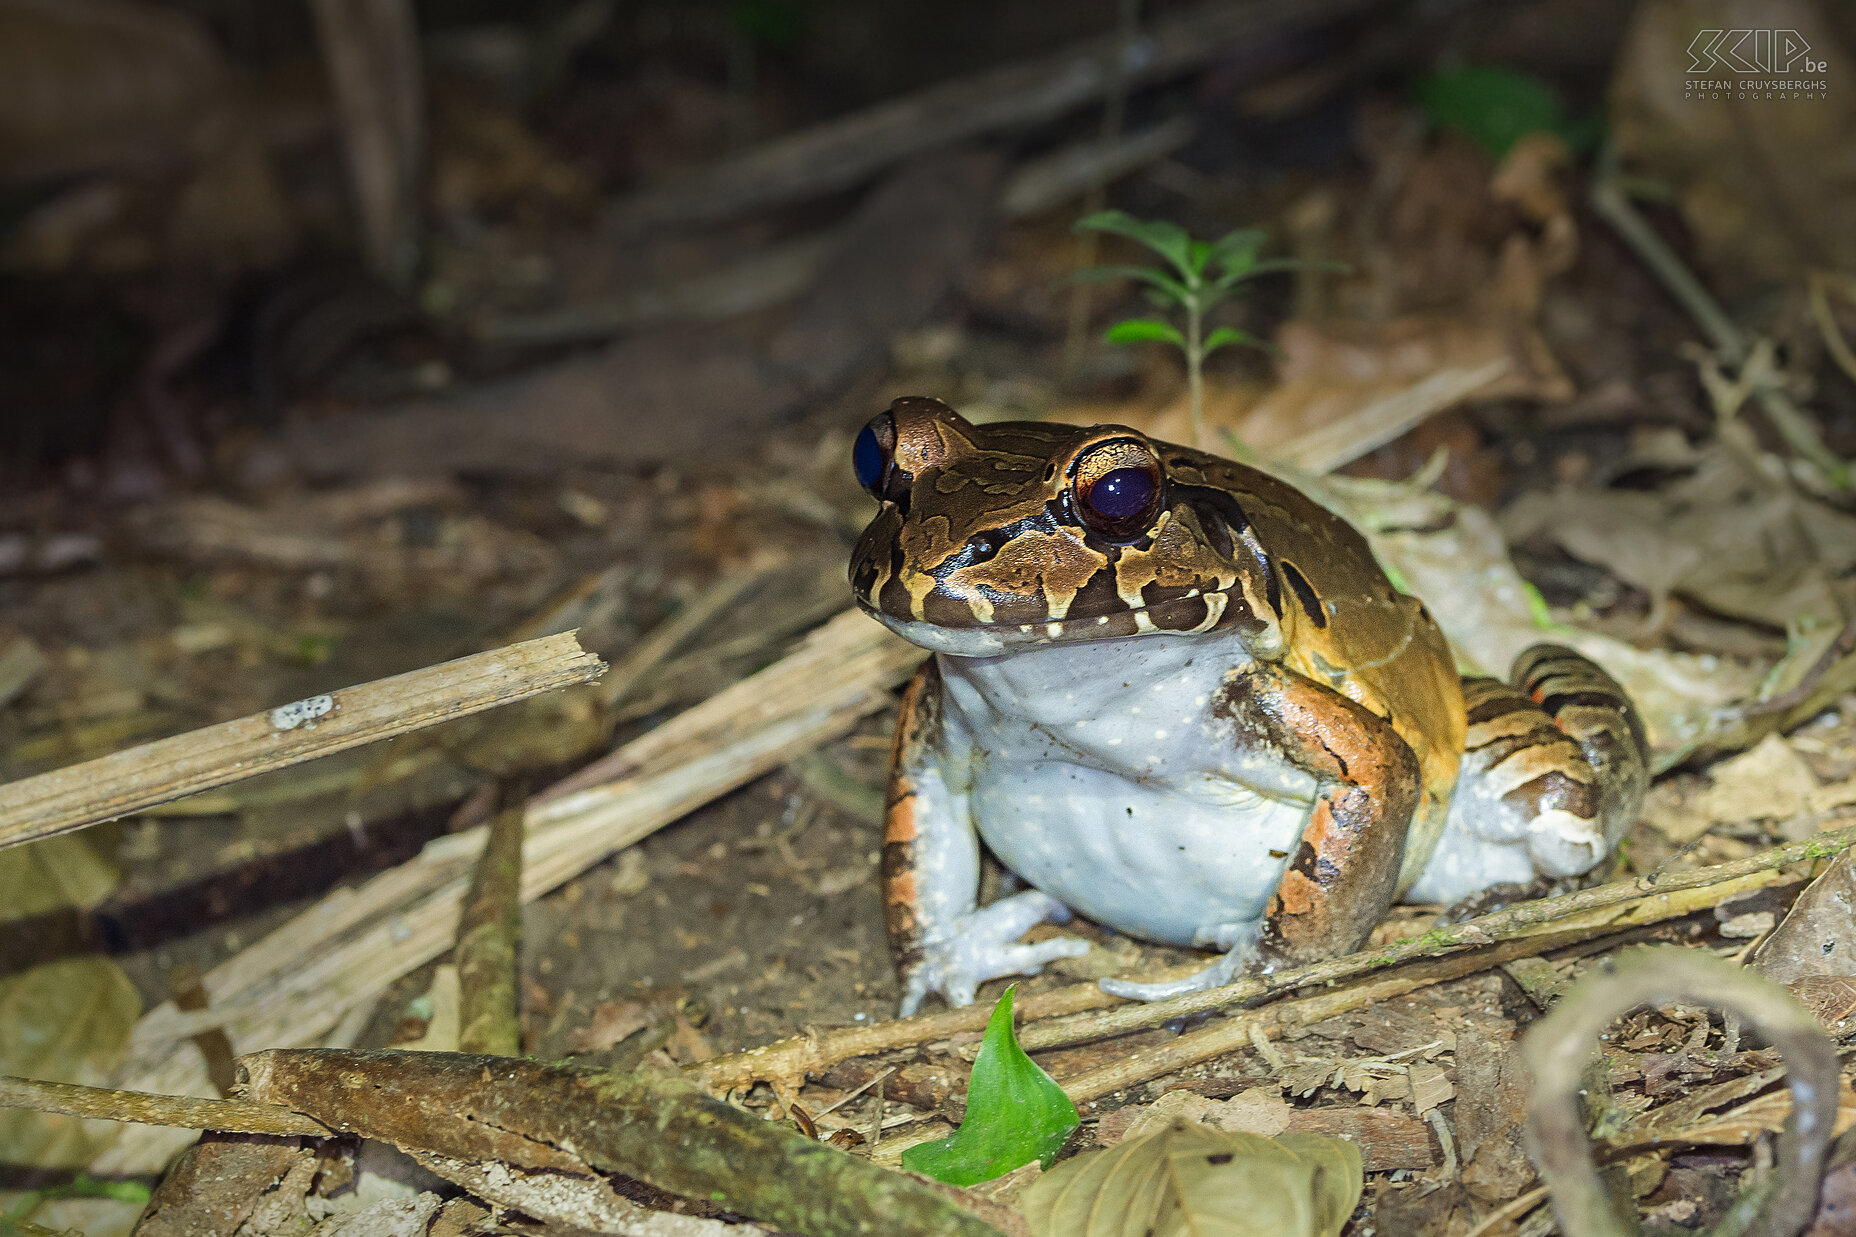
[
  {"x": 140, "y": 777},
  {"x": 184, "y": 1111}
]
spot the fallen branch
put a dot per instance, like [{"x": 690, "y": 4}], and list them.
[
  {"x": 488, "y": 931},
  {"x": 658, "y": 1129},
  {"x": 184, "y": 1111},
  {"x": 840, "y": 153},
  {"x": 128, "y": 781},
  {"x": 812, "y": 1054}
]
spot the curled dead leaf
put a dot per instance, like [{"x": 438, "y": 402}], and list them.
[{"x": 1191, "y": 1179}]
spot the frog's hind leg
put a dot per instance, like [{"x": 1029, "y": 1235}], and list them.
[
  {"x": 942, "y": 941},
  {"x": 1342, "y": 876},
  {"x": 1554, "y": 770}
]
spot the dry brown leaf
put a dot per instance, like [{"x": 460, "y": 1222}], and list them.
[
  {"x": 1818, "y": 935},
  {"x": 1733, "y": 534},
  {"x": 1769, "y": 781},
  {"x": 1189, "y": 1179}
]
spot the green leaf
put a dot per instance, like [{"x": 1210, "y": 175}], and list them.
[
  {"x": 1491, "y": 106},
  {"x": 1230, "y": 335},
  {"x": 1163, "y": 283},
  {"x": 1016, "y": 1113},
  {"x": 1144, "y": 331},
  {"x": 1167, "y": 239},
  {"x": 1237, "y": 251}
]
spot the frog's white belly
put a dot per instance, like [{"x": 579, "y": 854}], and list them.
[
  {"x": 1145, "y": 860},
  {"x": 1099, "y": 774}
]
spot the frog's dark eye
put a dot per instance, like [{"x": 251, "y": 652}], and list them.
[
  {"x": 1117, "y": 489},
  {"x": 872, "y": 453},
  {"x": 1121, "y": 494}
]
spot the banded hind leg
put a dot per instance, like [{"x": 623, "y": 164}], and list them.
[{"x": 1554, "y": 770}]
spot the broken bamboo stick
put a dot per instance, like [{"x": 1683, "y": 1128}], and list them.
[{"x": 139, "y": 777}]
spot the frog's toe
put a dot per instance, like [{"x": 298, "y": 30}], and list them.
[
  {"x": 1563, "y": 844},
  {"x": 984, "y": 945},
  {"x": 1217, "y": 975}
]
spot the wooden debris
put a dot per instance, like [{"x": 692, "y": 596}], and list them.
[
  {"x": 658, "y": 1129},
  {"x": 241, "y": 1116},
  {"x": 218, "y": 1183},
  {"x": 118, "y": 784},
  {"x": 488, "y": 930}
]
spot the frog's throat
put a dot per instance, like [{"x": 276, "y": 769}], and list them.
[{"x": 1182, "y": 616}]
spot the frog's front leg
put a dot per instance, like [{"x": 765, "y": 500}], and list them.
[
  {"x": 942, "y": 940},
  {"x": 1344, "y": 873}
]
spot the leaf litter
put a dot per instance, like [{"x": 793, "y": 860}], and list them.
[{"x": 1712, "y": 579}]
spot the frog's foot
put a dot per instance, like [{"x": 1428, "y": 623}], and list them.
[
  {"x": 984, "y": 945},
  {"x": 1242, "y": 939}
]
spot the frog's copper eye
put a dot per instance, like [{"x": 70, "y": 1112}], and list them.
[
  {"x": 1117, "y": 489},
  {"x": 873, "y": 452}
]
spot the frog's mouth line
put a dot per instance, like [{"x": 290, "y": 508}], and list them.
[{"x": 1120, "y": 624}]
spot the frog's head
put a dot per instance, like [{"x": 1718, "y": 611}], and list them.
[{"x": 993, "y": 537}]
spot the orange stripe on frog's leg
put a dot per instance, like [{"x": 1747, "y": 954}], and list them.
[
  {"x": 1344, "y": 872},
  {"x": 901, "y": 830}
]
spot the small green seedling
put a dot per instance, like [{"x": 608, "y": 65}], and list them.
[
  {"x": 1016, "y": 1113},
  {"x": 1204, "y": 274}
]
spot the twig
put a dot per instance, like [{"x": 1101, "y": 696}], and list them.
[
  {"x": 1558, "y": 1047},
  {"x": 487, "y": 934},
  {"x": 140, "y": 777},
  {"x": 185, "y": 1111},
  {"x": 841, "y": 153},
  {"x": 814, "y": 1053}
]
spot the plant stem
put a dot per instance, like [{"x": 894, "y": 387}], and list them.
[{"x": 1195, "y": 381}]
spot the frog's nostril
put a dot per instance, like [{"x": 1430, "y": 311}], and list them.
[{"x": 986, "y": 545}]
